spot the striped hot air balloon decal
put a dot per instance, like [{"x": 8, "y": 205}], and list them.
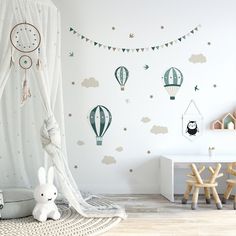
[
  {"x": 100, "y": 120},
  {"x": 122, "y": 75},
  {"x": 173, "y": 79}
]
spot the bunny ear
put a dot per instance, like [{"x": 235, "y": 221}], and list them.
[
  {"x": 50, "y": 175},
  {"x": 42, "y": 175}
]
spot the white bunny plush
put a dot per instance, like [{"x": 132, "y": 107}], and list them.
[{"x": 45, "y": 194}]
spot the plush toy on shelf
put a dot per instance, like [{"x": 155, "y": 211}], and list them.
[{"x": 45, "y": 194}]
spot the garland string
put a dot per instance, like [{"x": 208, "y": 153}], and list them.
[{"x": 142, "y": 49}]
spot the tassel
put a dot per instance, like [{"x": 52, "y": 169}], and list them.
[
  {"x": 12, "y": 61},
  {"x": 39, "y": 65},
  {"x": 25, "y": 91}
]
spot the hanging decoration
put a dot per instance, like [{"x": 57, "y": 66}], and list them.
[
  {"x": 122, "y": 75},
  {"x": 140, "y": 49},
  {"x": 100, "y": 120},
  {"x": 192, "y": 122},
  {"x": 25, "y": 62},
  {"x": 173, "y": 79},
  {"x": 25, "y": 38}
]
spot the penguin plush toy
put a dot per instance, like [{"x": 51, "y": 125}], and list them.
[{"x": 192, "y": 128}]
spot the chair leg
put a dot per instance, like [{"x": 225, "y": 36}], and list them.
[
  {"x": 195, "y": 198},
  {"x": 217, "y": 199},
  {"x": 207, "y": 195},
  {"x": 235, "y": 202},
  {"x": 186, "y": 194},
  {"x": 227, "y": 193}
]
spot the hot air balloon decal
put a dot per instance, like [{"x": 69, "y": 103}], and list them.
[
  {"x": 173, "y": 79},
  {"x": 122, "y": 75},
  {"x": 100, "y": 120}
]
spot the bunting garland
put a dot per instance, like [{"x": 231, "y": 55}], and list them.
[{"x": 127, "y": 50}]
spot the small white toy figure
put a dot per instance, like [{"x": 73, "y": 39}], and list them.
[{"x": 45, "y": 194}]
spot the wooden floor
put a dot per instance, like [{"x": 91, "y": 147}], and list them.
[{"x": 153, "y": 215}]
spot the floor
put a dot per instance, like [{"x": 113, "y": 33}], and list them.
[{"x": 153, "y": 215}]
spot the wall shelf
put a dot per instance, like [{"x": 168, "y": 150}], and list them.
[{"x": 228, "y": 122}]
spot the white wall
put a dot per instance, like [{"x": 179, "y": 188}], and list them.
[{"x": 95, "y": 19}]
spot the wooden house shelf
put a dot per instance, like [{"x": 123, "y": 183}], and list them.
[{"x": 228, "y": 122}]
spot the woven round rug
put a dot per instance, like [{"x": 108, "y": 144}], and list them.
[{"x": 71, "y": 223}]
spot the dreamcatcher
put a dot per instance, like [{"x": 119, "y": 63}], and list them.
[{"x": 26, "y": 39}]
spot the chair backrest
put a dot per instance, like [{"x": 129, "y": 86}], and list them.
[
  {"x": 196, "y": 174},
  {"x": 231, "y": 169},
  {"x": 215, "y": 173}
]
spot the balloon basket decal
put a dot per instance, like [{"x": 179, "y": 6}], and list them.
[
  {"x": 99, "y": 141},
  {"x": 122, "y": 88},
  {"x": 173, "y": 79},
  {"x": 100, "y": 120}
]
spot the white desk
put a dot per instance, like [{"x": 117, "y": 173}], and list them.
[{"x": 169, "y": 162}]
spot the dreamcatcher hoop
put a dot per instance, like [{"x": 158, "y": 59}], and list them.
[
  {"x": 23, "y": 30},
  {"x": 25, "y": 62}
]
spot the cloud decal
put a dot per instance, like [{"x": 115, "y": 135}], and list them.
[
  {"x": 108, "y": 160},
  {"x": 119, "y": 149},
  {"x": 197, "y": 58},
  {"x": 145, "y": 119},
  {"x": 156, "y": 129},
  {"x": 80, "y": 143},
  {"x": 90, "y": 83}
]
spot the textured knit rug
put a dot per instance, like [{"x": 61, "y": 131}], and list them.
[{"x": 71, "y": 223}]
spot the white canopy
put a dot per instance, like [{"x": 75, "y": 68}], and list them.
[{"x": 31, "y": 94}]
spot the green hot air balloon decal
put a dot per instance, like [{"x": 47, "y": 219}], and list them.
[
  {"x": 122, "y": 75},
  {"x": 173, "y": 79},
  {"x": 100, "y": 120}
]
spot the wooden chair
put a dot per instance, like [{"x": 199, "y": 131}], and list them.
[
  {"x": 190, "y": 185},
  {"x": 230, "y": 184},
  {"x": 197, "y": 182}
]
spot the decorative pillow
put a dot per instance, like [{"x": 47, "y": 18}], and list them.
[{"x": 16, "y": 203}]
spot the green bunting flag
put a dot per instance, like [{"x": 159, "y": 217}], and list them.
[{"x": 141, "y": 49}]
